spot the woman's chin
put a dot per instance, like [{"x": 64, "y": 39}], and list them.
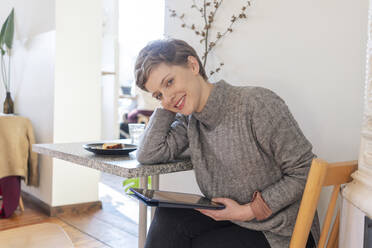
[
  {"x": 177, "y": 111},
  {"x": 183, "y": 111}
]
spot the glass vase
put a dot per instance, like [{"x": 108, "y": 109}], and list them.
[{"x": 8, "y": 104}]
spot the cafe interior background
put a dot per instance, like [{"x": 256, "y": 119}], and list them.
[{"x": 71, "y": 58}]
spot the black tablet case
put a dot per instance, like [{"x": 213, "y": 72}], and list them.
[{"x": 166, "y": 204}]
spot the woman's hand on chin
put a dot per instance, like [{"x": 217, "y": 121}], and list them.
[{"x": 233, "y": 211}]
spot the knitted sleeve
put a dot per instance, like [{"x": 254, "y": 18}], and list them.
[
  {"x": 280, "y": 137},
  {"x": 165, "y": 138}
]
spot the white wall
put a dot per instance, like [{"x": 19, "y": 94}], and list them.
[
  {"x": 77, "y": 94},
  {"x": 32, "y": 77},
  {"x": 31, "y": 17},
  {"x": 312, "y": 53},
  {"x": 110, "y": 84},
  {"x": 56, "y": 84},
  {"x": 34, "y": 66}
]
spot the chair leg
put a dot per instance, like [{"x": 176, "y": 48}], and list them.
[
  {"x": 333, "y": 237},
  {"x": 21, "y": 206}
]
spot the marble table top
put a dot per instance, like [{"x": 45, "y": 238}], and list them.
[{"x": 124, "y": 166}]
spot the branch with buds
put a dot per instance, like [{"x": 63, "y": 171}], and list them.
[{"x": 208, "y": 12}]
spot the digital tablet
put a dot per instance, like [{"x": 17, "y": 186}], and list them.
[{"x": 168, "y": 199}]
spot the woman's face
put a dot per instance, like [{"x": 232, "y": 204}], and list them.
[{"x": 179, "y": 88}]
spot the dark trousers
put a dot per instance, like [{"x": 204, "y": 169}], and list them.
[
  {"x": 186, "y": 228},
  {"x": 181, "y": 228},
  {"x": 10, "y": 189}
]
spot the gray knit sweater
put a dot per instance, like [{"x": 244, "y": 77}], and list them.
[{"x": 244, "y": 140}]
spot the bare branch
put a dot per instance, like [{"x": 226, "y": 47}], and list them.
[
  {"x": 217, "y": 4},
  {"x": 207, "y": 27},
  {"x": 194, "y": 5},
  {"x": 184, "y": 24},
  {"x": 208, "y": 12},
  {"x": 234, "y": 19}
]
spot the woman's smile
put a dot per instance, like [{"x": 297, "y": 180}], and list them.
[{"x": 181, "y": 103}]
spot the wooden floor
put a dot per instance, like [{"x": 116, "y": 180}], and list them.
[
  {"x": 108, "y": 227},
  {"x": 32, "y": 216}
]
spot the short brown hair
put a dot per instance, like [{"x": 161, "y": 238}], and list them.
[{"x": 168, "y": 51}]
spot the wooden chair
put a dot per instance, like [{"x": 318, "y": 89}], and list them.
[
  {"x": 143, "y": 119},
  {"x": 21, "y": 206},
  {"x": 321, "y": 174}
]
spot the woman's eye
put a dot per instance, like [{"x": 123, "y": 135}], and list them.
[{"x": 170, "y": 82}]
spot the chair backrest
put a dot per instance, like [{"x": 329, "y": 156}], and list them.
[
  {"x": 321, "y": 174},
  {"x": 143, "y": 119}
]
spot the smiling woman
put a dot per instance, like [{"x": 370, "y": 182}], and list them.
[
  {"x": 179, "y": 88},
  {"x": 247, "y": 150},
  {"x": 180, "y": 83}
]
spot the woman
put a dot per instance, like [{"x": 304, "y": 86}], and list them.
[{"x": 247, "y": 150}]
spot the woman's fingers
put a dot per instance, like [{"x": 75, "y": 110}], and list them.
[
  {"x": 206, "y": 212},
  {"x": 230, "y": 212},
  {"x": 215, "y": 214},
  {"x": 225, "y": 201}
]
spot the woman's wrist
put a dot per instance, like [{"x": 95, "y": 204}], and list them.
[{"x": 246, "y": 212}]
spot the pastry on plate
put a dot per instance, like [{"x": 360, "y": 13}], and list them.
[{"x": 112, "y": 146}]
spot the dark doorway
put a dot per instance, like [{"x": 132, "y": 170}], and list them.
[{"x": 367, "y": 233}]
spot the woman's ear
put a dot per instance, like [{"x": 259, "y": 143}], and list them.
[{"x": 193, "y": 64}]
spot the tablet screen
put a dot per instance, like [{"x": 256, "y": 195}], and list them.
[{"x": 175, "y": 197}]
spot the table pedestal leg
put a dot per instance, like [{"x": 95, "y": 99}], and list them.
[
  {"x": 142, "y": 225},
  {"x": 154, "y": 186}
]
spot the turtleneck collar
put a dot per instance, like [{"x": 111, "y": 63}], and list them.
[{"x": 213, "y": 110}]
